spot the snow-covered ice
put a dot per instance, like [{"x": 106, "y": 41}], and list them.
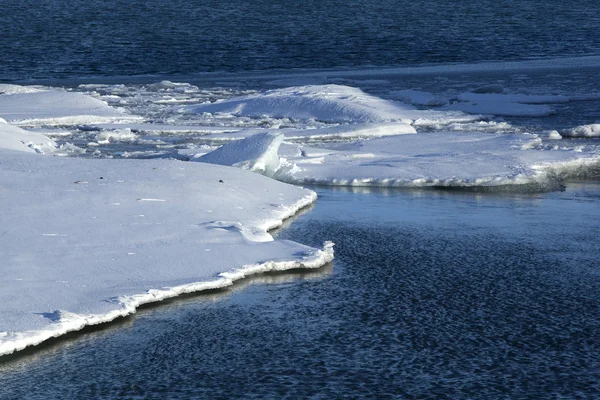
[
  {"x": 87, "y": 241},
  {"x": 446, "y": 159},
  {"x": 327, "y": 103},
  {"x": 590, "y": 131},
  {"x": 54, "y": 107},
  {"x": 257, "y": 153},
  {"x": 15, "y": 138}
]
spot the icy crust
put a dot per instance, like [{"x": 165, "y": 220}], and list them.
[
  {"x": 447, "y": 159},
  {"x": 22, "y": 106},
  {"x": 326, "y": 103},
  {"x": 15, "y": 138},
  {"x": 87, "y": 241}
]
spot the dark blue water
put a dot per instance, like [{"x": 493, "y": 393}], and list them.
[
  {"x": 79, "y": 38},
  {"x": 432, "y": 295}
]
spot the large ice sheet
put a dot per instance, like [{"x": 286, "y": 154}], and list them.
[
  {"x": 55, "y": 107},
  {"x": 327, "y": 103},
  {"x": 86, "y": 241},
  {"x": 447, "y": 159}
]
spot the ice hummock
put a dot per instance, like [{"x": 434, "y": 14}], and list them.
[
  {"x": 327, "y": 103},
  {"x": 256, "y": 153},
  {"x": 87, "y": 241}
]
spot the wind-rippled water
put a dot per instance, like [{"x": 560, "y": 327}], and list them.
[
  {"x": 74, "y": 38},
  {"x": 431, "y": 295}
]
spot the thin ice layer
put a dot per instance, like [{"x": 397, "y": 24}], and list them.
[{"x": 86, "y": 241}]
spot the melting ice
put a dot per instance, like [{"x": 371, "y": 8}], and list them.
[{"x": 146, "y": 230}]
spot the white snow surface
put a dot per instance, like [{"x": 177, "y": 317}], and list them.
[
  {"x": 86, "y": 241},
  {"x": 590, "y": 131},
  {"x": 256, "y": 153},
  {"x": 440, "y": 159},
  {"x": 448, "y": 159},
  {"x": 326, "y": 103},
  {"x": 15, "y": 138},
  {"x": 22, "y": 106}
]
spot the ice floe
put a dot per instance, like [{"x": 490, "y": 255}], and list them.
[
  {"x": 22, "y": 106},
  {"x": 87, "y": 241},
  {"x": 447, "y": 159}
]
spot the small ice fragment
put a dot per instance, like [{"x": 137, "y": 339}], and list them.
[{"x": 160, "y": 200}]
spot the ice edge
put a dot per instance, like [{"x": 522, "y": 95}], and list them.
[{"x": 12, "y": 342}]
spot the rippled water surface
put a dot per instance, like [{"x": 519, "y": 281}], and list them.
[
  {"x": 432, "y": 295},
  {"x": 72, "y": 38}
]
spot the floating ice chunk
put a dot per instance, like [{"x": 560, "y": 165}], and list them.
[
  {"x": 123, "y": 135},
  {"x": 72, "y": 258},
  {"x": 256, "y": 153},
  {"x": 418, "y": 98},
  {"x": 592, "y": 130},
  {"x": 15, "y": 138},
  {"x": 440, "y": 159},
  {"x": 554, "y": 135},
  {"x": 53, "y": 107}
]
